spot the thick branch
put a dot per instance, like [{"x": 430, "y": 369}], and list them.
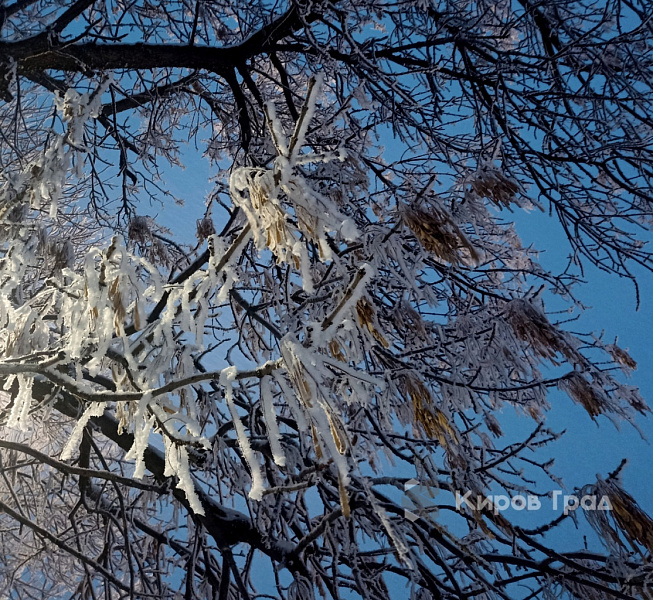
[
  {"x": 37, "y": 54},
  {"x": 72, "y": 470},
  {"x": 225, "y": 525}
]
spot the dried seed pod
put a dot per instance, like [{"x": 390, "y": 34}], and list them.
[
  {"x": 344, "y": 498},
  {"x": 59, "y": 253},
  {"x": 636, "y": 525},
  {"x": 432, "y": 420},
  {"x": 115, "y": 295},
  {"x": 367, "y": 319},
  {"x": 618, "y": 513},
  {"x": 139, "y": 230},
  {"x": 621, "y": 357},
  {"x": 590, "y": 396},
  {"x": 337, "y": 432},
  {"x": 336, "y": 351},
  {"x": 495, "y": 185},
  {"x": 439, "y": 235},
  {"x": 493, "y": 425},
  {"x": 532, "y": 327}
]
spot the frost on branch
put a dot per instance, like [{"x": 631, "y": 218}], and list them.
[
  {"x": 624, "y": 527},
  {"x": 334, "y": 353},
  {"x": 278, "y": 224},
  {"x": 352, "y": 315}
]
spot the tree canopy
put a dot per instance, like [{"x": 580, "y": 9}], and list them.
[{"x": 216, "y": 417}]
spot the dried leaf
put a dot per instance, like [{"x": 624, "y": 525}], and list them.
[
  {"x": 495, "y": 185},
  {"x": 367, "y": 318},
  {"x": 336, "y": 351},
  {"x": 316, "y": 443},
  {"x": 337, "y": 433},
  {"x": 344, "y": 498}
]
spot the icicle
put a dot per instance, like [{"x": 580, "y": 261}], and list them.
[
  {"x": 20, "y": 411},
  {"x": 95, "y": 409},
  {"x": 291, "y": 401},
  {"x": 177, "y": 465},
  {"x": 227, "y": 378},
  {"x": 142, "y": 428},
  {"x": 274, "y": 435}
]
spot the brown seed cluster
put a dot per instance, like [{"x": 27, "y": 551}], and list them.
[
  {"x": 496, "y": 186},
  {"x": 621, "y": 357},
  {"x": 205, "y": 229},
  {"x": 585, "y": 393},
  {"x": 336, "y": 351},
  {"x": 119, "y": 312},
  {"x": 59, "y": 253},
  {"x": 140, "y": 232},
  {"x": 432, "y": 420},
  {"x": 532, "y": 327},
  {"x": 629, "y": 518},
  {"x": 439, "y": 235},
  {"x": 366, "y": 319},
  {"x": 278, "y": 237}
]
